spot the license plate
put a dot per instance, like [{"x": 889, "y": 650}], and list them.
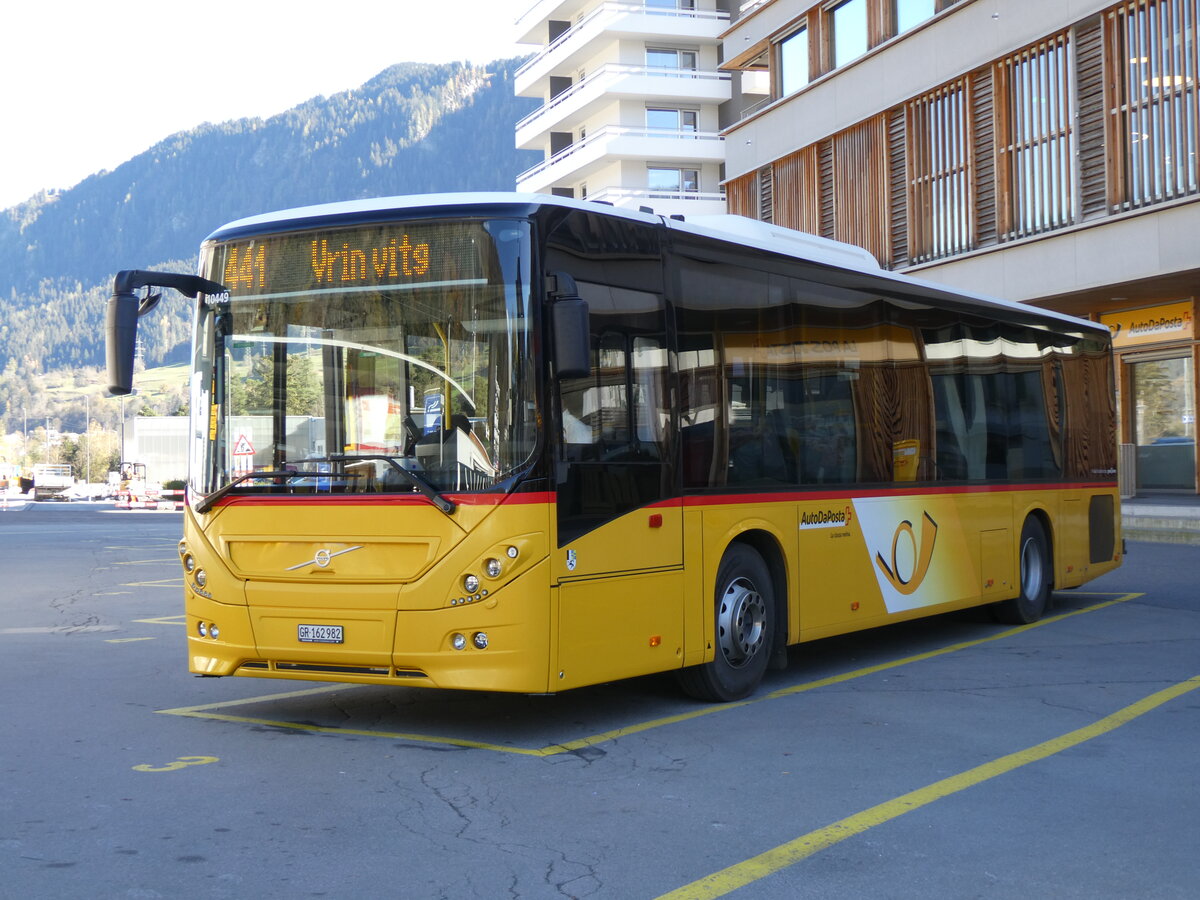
[{"x": 319, "y": 634}]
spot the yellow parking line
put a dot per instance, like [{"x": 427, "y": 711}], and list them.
[
  {"x": 203, "y": 711},
  {"x": 741, "y": 874},
  {"x": 162, "y": 582}
]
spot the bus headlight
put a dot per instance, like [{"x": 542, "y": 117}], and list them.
[
  {"x": 201, "y": 577},
  {"x": 471, "y": 583},
  {"x": 189, "y": 563},
  {"x": 493, "y": 568}
]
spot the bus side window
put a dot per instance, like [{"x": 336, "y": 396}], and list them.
[
  {"x": 615, "y": 422},
  {"x": 620, "y": 412}
]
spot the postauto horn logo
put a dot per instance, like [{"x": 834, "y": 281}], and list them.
[{"x": 906, "y": 582}]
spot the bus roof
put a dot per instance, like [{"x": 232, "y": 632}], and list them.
[{"x": 746, "y": 232}]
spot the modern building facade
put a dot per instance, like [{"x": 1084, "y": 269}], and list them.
[{"x": 630, "y": 95}]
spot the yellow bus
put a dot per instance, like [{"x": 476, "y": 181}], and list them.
[{"x": 526, "y": 443}]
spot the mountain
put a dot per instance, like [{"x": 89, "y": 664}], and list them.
[{"x": 414, "y": 128}]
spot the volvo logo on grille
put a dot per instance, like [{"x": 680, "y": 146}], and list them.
[{"x": 321, "y": 558}]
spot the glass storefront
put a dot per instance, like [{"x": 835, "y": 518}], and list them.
[{"x": 1164, "y": 423}]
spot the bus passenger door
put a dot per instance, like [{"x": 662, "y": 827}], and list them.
[{"x": 618, "y": 559}]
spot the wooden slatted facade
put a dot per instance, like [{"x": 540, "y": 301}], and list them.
[
  {"x": 1089, "y": 68},
  {"x": 983, "y": 140},
  {"x": 1035, "y": 153},
  {"x": 860, "y": 188},
  {"x": 796, "y": 193},
  {"x": 1154, "y": 127},
  {"x": 938, "y": 176}
]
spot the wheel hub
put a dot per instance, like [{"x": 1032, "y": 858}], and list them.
[{"x": 741, "y": 622}]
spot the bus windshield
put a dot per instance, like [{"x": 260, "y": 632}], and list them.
[{"x": 387, "y": 358}]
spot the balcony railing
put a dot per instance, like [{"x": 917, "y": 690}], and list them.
[
  {"x": 619, "y": 196},
  {"x": 611, "y": 132},
  {"x": 750, "y": 6},
  {"x": 611, "y": 10},
  {"x": 612, "y": 72}
]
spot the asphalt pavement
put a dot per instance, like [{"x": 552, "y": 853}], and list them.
[{"x": 951, "y": 757}]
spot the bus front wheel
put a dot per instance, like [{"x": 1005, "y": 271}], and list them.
[
  {"x": 1035, "y": 573},
  {"x": 743, "y": 626}
]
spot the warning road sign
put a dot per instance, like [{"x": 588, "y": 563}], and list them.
[{"x": 243, "y": 454}]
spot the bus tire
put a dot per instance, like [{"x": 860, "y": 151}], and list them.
[
  {"x": 743, "y": 626},
  {"x": 1035, "y": 574}
]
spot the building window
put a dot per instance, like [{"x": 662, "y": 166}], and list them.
[
  {"x": 911, "y": 13},
  {"x": 672, "y": 122},
  {"x": 939, "y": 176},
  {"x": 688, "y": 5},
  {"x": 663, "y": 58},
  {"x": 793, "y": 62},
  {"x": 1035, "y": 139},
  {"x": 666, "y": 182},
  {"x": 1156, "y": 110},
  {"x": 848, "y": 22}
]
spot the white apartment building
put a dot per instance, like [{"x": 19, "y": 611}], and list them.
[{"x": 630, "y": 94}]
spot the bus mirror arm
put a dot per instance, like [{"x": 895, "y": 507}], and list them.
[
  {"x": 125, "y": 308},
  {"x": 569, "y": 327}
]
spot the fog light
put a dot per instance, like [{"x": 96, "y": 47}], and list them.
[
  {"x": 458, "y": 641},
  {"x": 189, "y": 563},
  {"x": 201, "y": 577},
  {"x": 480, "y": 640},
  {"x": 492, "y": 566},
  {"x": 202, "y": 629},
  {"x": 214, "y": 632},
  {"x": 471, "y": 583}
]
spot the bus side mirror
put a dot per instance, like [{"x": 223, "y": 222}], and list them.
[
  {"x": 572, "y": 349},
  {"x": 124, "y": 308},
  {"x": 120, "y": 329}
]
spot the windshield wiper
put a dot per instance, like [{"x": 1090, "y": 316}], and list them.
[
  {"x": 435, "y": 497},
  {"x": 208, "y": 502},
  {"x": 415, "y": 479}
]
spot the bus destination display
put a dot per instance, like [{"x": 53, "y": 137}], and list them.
[{"x": 363, "y": 257}]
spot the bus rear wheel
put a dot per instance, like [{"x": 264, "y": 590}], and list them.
[
  {"x": 1036, "y": 576},
  {"x": 744, "y": 629}
]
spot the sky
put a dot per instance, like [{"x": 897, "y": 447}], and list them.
[{"x": 91, "y": 84}]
